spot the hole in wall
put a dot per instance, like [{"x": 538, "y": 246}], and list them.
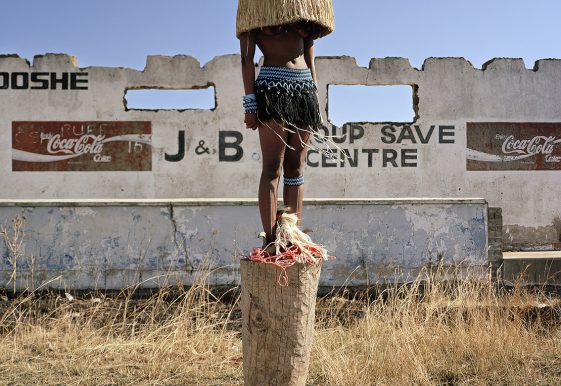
[
  {"x": 359, "y": 103},
  {"x": 165, "y": 99}
]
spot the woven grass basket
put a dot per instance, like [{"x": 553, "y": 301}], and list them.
[{"x": 254, "y": 14}]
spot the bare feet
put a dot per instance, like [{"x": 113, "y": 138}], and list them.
[{"x": 269, "y": 248}]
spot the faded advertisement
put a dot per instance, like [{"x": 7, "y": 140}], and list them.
[
  {"x": 82, "y": 146},
  {"x": 513, "y": 146},
  {"x": 393, "y": 146}
]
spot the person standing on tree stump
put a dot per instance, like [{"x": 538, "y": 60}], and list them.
[{"x": 282, "y": 102}]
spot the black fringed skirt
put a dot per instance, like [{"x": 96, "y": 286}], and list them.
[{"x": 287, "y": 95}]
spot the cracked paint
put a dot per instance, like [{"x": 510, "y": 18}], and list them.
[{"x": 142, "y": 245}]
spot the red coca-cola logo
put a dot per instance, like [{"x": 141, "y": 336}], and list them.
[
  {"x": 513, "y": 146},
  {"x": 81, "y": 146}
]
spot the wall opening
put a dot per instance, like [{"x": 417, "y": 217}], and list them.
[
  {"x": 359, "y": 103},
  {"x": 165, "y": 99}
]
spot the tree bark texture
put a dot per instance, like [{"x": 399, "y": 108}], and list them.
[{"x": 277, "y": 323}]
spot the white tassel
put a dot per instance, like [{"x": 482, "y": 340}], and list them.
[{"x": 288, "y": 234}]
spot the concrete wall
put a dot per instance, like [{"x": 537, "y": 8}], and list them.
[
  {"x": 114, "y": 244},
  {"x": 444, "y": 153}
]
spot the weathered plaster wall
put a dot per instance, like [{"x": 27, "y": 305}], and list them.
[
  {"x": 120, "y": 243},
  {"x": 449, "y": 93}
]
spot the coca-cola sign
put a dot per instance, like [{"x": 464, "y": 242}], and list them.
[
  {"x": 513, "y": 146},
  {"x": 81, "y": 146}
]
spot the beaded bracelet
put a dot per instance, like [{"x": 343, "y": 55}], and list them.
[{"x": 250, "y": 103}]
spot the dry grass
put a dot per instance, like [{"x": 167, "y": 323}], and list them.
[
  {"x": 442, "y": 333},
  {"x": 448, "y": 333}
]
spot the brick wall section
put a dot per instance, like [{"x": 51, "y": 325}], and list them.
[{"x": 495, "y": 242}]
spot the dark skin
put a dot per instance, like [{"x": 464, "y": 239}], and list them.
[{"x": 282, "y": 46}]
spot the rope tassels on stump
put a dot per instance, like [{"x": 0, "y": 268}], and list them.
[{"x": 291, "y": 246}]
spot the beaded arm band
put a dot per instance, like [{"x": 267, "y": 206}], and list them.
[{"x": 250, "y": 103}]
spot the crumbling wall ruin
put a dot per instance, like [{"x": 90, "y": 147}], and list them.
[{"x": 493, "y": 133}]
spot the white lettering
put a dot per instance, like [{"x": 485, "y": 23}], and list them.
[
  {"x": 102, "y": 158},
  {"x": 552, "y": 158},
  {"x": 86, "y": 144},
  {"x": 537, "y": 145}
]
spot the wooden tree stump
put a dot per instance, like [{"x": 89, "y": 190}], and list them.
[{"x": 277, "y": 323}]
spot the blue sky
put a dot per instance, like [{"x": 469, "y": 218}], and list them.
[{"x": 124, "y": 32}]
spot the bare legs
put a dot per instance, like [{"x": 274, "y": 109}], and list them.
[
  {"x": 293, "y": 165},
  {"x": 272, "y": 150},
  {"x": 276, "y": 157}
]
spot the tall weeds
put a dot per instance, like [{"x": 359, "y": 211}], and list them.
[
  {"x": 438, "y": 330},
  {"x": 12, "y": 237},
  {"x": 433, "y": 331},
  {"x": 176, "y": 336}
]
